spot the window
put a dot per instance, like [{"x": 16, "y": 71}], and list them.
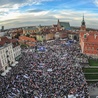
[
  {"x": 85, "y": 48},
  {"x": 92, "y": 48},
  {"x": 89, "y": 48}
]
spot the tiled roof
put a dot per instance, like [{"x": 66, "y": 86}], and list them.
[
  {"x": 66, "y": 25},
  {"x": 4, "y": 40},
  {"x": 27, "y": 38}
]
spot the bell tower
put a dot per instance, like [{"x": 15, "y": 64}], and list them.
[{"x": 83, "y": 26}]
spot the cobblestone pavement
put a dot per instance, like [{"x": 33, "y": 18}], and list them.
[{"x": 93, "y": 92}]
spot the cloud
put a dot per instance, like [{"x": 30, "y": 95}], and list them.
[
  {"x": 6, "y": 3},
  {"x": 96, "y": 2},
  {"x": 13, "y": 5},
  {"x": 11, "y": 15},
  {"x": 35, "y": 10},
  {"x": 48, "y": 17}
]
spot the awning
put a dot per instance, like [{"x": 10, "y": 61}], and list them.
[
  {"x": 18, "y": 57},
  {"x": 6, "y": 71},
  {"x": 14, "y": 64}
]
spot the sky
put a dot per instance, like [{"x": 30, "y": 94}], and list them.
[{"x": 19, "y": 13}]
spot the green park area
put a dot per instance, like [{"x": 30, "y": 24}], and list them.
[
  {"x": 91, "y": 76},
  {"x": 90, "y": 70},
  {"x": 93, "y": 62},
  {"x": 91, "y": 73}
]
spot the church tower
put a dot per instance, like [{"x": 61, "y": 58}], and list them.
[
  {"x": 58, "y": 25},
  {"x": 83, "y": 26}
]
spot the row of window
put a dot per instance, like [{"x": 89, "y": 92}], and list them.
[
  {"x": 4, "y": 61},
  {"x": 89, "y": 48},
  {"x": 91, "y": 52},
  {"x": 17, "y": 53},
  {"x": 91, "y": 44},
  {"x": 3, "y": 51}
]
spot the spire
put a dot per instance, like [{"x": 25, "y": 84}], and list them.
[
  {"x": 83, "y": 21},
  {"x": 83, "y": 26},
  {"x": 83, "y": 17},
  {"x": 58, "y": 20}
]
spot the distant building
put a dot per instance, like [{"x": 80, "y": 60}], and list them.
[
  {"x": 16, "y": 49},
  {"x": 63, "y": 25},
  {"x": 83, "y": 26},
  {"x": 88, "y": 41},
  {"x": 30, "y": 30},
  {"x": 27, "y": 41},
  {"x": 50, "y": 36},
  {"x": 73, "y": 35},
  {"x": 57, "y": 35},
  {"x": 2, "y": 34},
  {"x": 2, "y": 29}
]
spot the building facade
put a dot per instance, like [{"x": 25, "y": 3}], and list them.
[
  {"x": 30, "y": 30},
  {"x": 6, "y": 56},
  {"x": 88, "y": 41},
  {"x": 8, "y": 52},
  {"x": 16, "y": 49},
  {"x": 27, "y": 41},
  {"x": 63, "y": 25}
]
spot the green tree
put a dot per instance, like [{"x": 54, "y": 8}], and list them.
[{"x": 27, "y": 35}]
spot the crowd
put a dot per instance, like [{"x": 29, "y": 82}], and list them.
[{"x": 55, "y": 73}]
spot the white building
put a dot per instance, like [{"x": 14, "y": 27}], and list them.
[
  {"x": 57, "y": 35},
  {"x": 9, "y": 51},
  {"x": 6, "y": 56},
  {"x": 2, "y": 34},
  {"x": 17, "y": 51}
]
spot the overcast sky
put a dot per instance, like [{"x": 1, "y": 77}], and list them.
[{"x": 17, "y": 13}]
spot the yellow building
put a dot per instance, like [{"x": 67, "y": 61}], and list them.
[{"x": 50, "y": 36}]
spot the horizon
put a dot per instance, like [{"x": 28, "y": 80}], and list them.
[{"x": 22, "y": 13}]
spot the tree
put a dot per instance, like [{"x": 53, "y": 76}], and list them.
[
  {"x": 17, "y": 35},
  {"x": 27, "y": 35}
]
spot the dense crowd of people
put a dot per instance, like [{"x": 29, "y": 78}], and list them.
[{"x": 51, "y": 73}]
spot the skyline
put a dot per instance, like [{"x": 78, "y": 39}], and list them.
[{"x": 47, "y": 12}]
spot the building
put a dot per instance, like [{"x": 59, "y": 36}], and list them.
[
  {"x": 2, "y": 34},
  {"x": 16, "y": 49},
  {"x": 27, "y": 41},
  {"x": 73, "y": 35},
  {"x": 50, "y": 36},
  {"x": 30, "y": 30},
  {"x": 83, "y": 26},
  {"x": 2, "y": 29},
  {"x": 15, "y": 32},
  {"x": 63, "y": 34},
  {"x": 63, "y": 25},
  {"x": 88, "y": 41},
  {"x": 40, "y": 37},
  {"x": 57, "y": 35},
  {"x": 6, "y": 56},
  {"x": 7, "y": 52}
]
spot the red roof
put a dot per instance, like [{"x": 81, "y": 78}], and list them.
[
  {"x": 4, "y": 40},
  {"x": 27, "y": 38},
  {"x": 54, "y": 25}
]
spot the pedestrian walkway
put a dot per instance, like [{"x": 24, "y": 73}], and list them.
[{"x": 93, "y": 91}]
